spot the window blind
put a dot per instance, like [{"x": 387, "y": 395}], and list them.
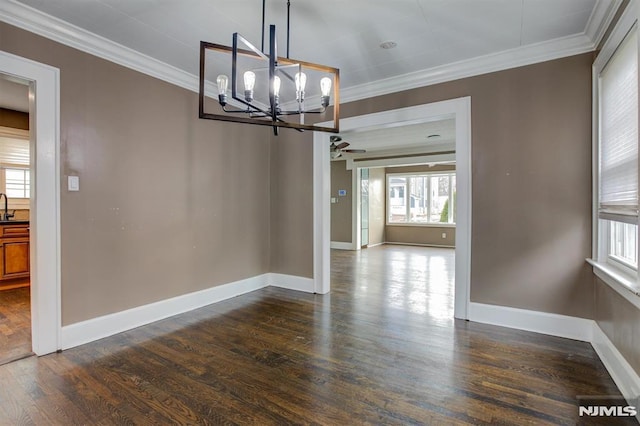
[
  {"x": 14, "y": 151},
  {"x": 619, "y": 134}
]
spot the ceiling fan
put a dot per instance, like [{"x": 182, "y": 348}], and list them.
[{"x": 337, "y": 150}]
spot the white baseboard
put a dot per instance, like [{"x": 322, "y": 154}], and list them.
[
  {"x": 108, "y": 325},
  {"x": 624, "y": 376},
  {"x": 292, "y": 282},
  {"x": 398, "y": 243},
  {"x": 620, "y": 370},
  {"x": 375, "y": 245},
  {"x": 338, "y": 245},
  {"x": 539, "y": 322}
]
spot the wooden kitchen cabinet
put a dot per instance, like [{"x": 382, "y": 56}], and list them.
[{"x": 14, "y": 254}]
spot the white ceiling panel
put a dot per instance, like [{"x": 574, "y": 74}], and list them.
[
  {"x": 555, "y": 27},
  {"x": 545, "y": 10},
  {"x": 129, "y": 7}
]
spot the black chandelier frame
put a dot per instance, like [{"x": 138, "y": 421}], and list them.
[{"x": 273, "y": 116}]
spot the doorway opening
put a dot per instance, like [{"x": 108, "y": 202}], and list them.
[
  {"x": 15, "y": 161},
  {"x": 460, "y": 111},
  {"x": 44, "y": 201}
]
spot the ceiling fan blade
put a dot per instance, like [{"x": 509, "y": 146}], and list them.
[
  {"x": 342, "y": 145},
  {"x": 355, "y": 151}
]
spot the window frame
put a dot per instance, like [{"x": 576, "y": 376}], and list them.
[
  {"x": 617, "y": 273},
  {"x": 3, "y": 179},
  {"x": 17, "y": 203},
  {"x": 450, "y": 173},
  {"x": 605, "y": 254}
]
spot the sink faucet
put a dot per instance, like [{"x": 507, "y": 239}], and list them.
[{"x": 5, "y": 214}]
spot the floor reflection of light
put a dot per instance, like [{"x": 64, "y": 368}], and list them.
[
  {"x": 417, "y": 281},
  {"x": 396, "y": 296},
  {"x": 418, "y": 302},
  {"x": 440, "y": 279}
]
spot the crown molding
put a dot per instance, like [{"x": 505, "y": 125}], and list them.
[
  {"x": 40, "y": 23},
  {"x": 600, "y": 19},
  {"x": 512, "y": 58},
  {"x": 45, "y": 25}
]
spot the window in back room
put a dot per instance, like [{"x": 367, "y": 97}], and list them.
[{"x": 426, "y": 198}]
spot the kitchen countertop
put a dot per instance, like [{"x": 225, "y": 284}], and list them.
[{"x": 16, "y": 222}]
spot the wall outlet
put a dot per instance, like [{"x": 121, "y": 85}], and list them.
[{"x": 444, "y": 235}]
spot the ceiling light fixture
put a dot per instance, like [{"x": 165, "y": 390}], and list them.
[
  {"x": 274, "y": 89},
  {"x": 388, "y": 45}
]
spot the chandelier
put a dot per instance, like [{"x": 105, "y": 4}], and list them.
[{"x": 267, "y": 89}]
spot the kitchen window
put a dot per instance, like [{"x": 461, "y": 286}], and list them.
[
  {"x": 421, "y": 199},
  {"x": 16, "y": 182}
]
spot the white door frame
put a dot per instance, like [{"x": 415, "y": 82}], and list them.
[
  {"x": 460, "y": 108},
  {"x": 44, "y": 113}
]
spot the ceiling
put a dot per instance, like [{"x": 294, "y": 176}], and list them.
[
  {"x": 13, "y": 95},
  {"x": 433, "y": 136},
  {"x": 437, "y": 40},
  {"x": 346, "y": 34}
]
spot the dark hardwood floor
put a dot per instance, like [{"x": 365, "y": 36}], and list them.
[
  {"x": 15, "y": 324},
  {"x": 382, "y": 348}
]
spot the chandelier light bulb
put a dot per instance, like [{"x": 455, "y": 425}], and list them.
[
  {"x": 223, "y": 83},
  {"x": 325, "y": 86},
  {"x": 276, "y": 86},
  {"x": 301, "y": 82},
  {"x": 325, "y": 89},
  {"x": 249, "y": 80},
  {"x": 249, "y": 84}
]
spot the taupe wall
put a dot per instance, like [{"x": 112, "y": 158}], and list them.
[
  {"x": 620, "y": 321},
  {"x": 377, "y": 205},
  {"x": 423, "y": 235},
  {"x": 169, "y": 204},
  {"x": 291, "y": 246},
  {"x": 531, "y": 172},
  {"x": 341, "y": 212}
]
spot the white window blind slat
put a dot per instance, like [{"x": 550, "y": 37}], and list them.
[
  {"x": 619, "y": 133},
  {"x": 14, "y": 151}
]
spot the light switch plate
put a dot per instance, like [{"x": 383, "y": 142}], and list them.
[{"x": 73, "y": 183}]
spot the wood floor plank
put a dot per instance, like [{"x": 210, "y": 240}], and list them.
[
  {"x": 381, "y": 348},
  {"x": 15, "y": 324}
]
